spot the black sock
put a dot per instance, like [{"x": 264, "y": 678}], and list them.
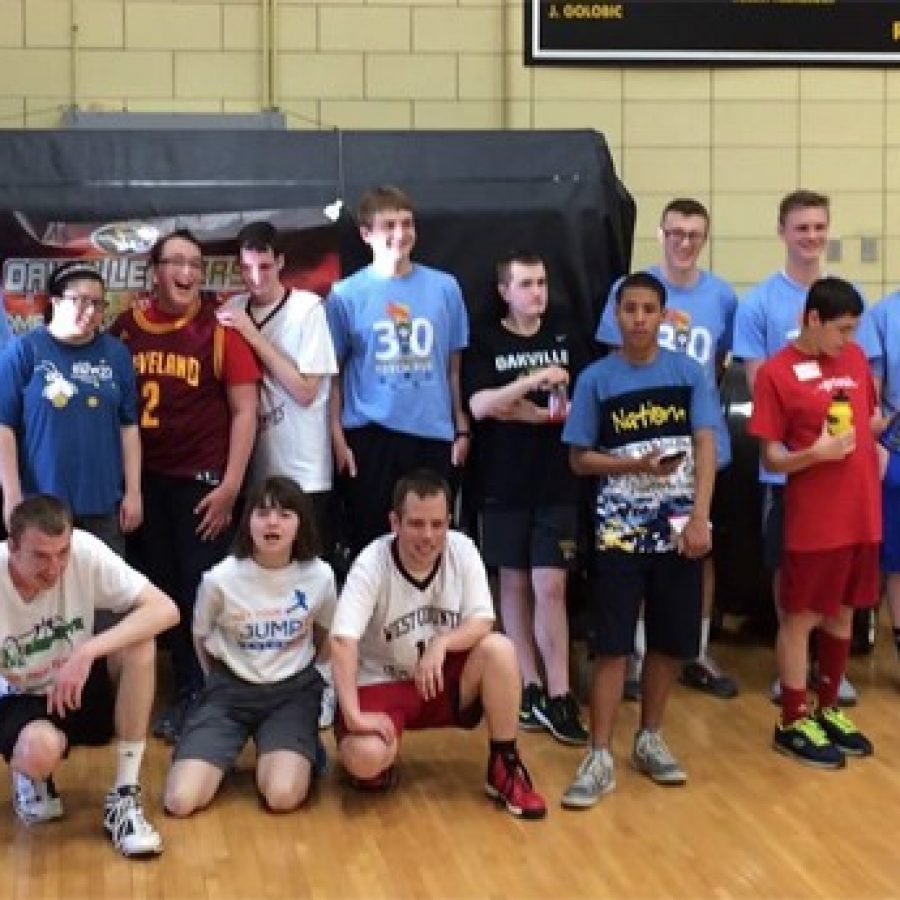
[
  {"x": 897, "y": 639},
  {"x": 506, "y": 749}
]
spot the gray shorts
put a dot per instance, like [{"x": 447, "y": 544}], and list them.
[{"x": 229, "y": 711}]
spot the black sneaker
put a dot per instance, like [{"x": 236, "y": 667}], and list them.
[
  {"x": 532, "y": 696},
  {"x": 562, "y": 718},
  {"x": 808, "y": 743},
  {"x": 843, "y": 733},
  {"x": 704, "y": 675}
]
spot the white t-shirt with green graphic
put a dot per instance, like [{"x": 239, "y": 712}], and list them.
[{"x": 37, "y": 637}]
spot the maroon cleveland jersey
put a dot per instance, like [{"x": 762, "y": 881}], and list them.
[{"x": 183, "y": 365}]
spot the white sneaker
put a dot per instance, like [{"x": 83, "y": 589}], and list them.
[
  {"x": 596, "y": 776},
  {"x": 35, "y": 800},
  {"x": 652, "y": 756},
  {"x": 124, "y": 822}
]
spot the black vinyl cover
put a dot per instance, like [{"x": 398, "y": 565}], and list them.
[{"x": 477, "y": 193}]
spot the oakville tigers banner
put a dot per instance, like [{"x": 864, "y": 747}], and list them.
[{"x": 31, "y": 248}]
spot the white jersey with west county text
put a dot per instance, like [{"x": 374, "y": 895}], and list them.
[
  {"x": 394, "y": 617},
  {"x": 37, "y": 637}
]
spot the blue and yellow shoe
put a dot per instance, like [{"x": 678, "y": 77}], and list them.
[
  {"x": 841, "y": 731},
  {"x": 808, "y": 743}
]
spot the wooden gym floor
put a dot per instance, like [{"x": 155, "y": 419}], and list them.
[{"x": 750, "y": 823}]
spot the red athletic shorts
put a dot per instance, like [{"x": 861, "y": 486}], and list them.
[
  {"x": 401, "y": 701},
  {"x": 822, "y": 581}
]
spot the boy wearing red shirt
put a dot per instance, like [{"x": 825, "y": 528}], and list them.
[{"x": 813, "y": 402}]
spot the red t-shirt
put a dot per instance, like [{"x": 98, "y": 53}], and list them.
[
  {"x": 183, "y": 365},
  {"x": 830, "y": 504}
]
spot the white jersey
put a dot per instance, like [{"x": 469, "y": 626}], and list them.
[
  {"x": 258, "y": 621},
  {"x": 37, "y": 637},
  {"x": 294, "y": 440},
  {"x": 394, "y": 617}
]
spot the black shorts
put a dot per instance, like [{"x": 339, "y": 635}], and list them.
[
  {"x": 229, "y": 711},
  {"x": 526, "y": 537},
  {"x": 773, "y": 526},
  {"x": 667, "y": 585},
  {"x": 91, "y": 725}
]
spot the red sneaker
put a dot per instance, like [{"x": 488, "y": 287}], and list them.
[{"x": 509, "y": 783}]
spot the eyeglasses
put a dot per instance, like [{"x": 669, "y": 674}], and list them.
[
  {"x": 84, "y": 300},
  {"x": 679, "y": 237},
  {"x": 195, "y": 264}
]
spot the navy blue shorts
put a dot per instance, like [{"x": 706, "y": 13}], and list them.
[{"x": 666, "y": 585}]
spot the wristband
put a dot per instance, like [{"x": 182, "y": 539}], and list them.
[{"x": 463, "y": 433}]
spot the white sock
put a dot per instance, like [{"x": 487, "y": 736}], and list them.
[
  {"x": 129, "y": 755},
  {"x": 640, "y": 640},
  {"x": 704, "y": 637}
]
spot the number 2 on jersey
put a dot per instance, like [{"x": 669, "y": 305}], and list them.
[{"x": 150, "y": 396}]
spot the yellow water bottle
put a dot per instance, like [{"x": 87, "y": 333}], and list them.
[{"x": 840, "y": 415}]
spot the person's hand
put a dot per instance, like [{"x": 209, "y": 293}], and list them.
[
  {"x": 236, "y": 318},
  {"x": 695, "y": 540},
  {"x": 550, "y": 377},
  {"x": 459, "y": 449},
  {"x": 131, "y": 512},
  {"x": 215, "y": 512},
  {"x": 429, "y": 675},
  {"x": 68, "y": 683},
  {"x": 344, "y": 460},
  {"x": 652, "y": 463},
  {"x": 833, "y": 447},
  {"x": 377, "y": 723}
]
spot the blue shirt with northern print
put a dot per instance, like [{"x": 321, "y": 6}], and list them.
[
  {"x": 699, "y": 321},
  {"x": 629, "y": 410},
  {"x": 394, "y": 338}
]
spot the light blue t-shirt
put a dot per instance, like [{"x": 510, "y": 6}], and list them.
[
  {"x": 393, "y": 338},
  {"x": 879, "y": 335},
  {"x": 770, "y": 316},
  {"x": 629, "y": 410},
  {"x": 699, "y": 321},
  {"x": 5, "y": 331}
]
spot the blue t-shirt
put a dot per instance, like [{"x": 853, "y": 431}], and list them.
[
  {"x": 879, "y": 335},
  {"x": 67, "y": 404},
  {"x": 628, "y": 410},
  {"x": 393, "y": 338},
  {"x": 770, "y": 316},
  {"x": 699, "y": 321},
  {"x": 5, "y": 332}
]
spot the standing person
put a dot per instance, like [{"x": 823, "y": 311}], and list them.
[
  {"x": 53, "y": 580},
  {"x": 68, "y": 412},
  {"x": 768, "y": 318},
  {"x": 643, "y": 423},
  {"x": 197, "y": 382},
  {"x": 399, "y": 329},
  {"x": 412, "y": 647},
  {"x": 883, "y": 350},
  {"x": 516, "y": 376},
  {"x": 813, "y": 403},
  {"x": 253, "y": 629},
  {"x": 288, "y": 331},
  {"x": 699, "y": 321}
]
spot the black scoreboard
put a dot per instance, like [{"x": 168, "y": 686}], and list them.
[{"x": 752, "y": 32}]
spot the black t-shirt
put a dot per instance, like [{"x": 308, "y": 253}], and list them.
[{"x": 519, "y": 463}]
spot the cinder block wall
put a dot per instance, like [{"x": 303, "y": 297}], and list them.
[{"x": 736, "y": 138}]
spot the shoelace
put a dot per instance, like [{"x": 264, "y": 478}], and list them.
[
  {"x": 812, "y": 730},
  {"x": 837, "y": 718},
  {"x": 126, "y": 816},
  {"x": 656, "y": 746},
  {"x": 515, "y": 767}
]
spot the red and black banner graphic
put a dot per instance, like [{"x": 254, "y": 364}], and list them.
[{"x": 31, "y": 248}]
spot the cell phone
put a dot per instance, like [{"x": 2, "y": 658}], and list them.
[{"x": 672, "y": 456}]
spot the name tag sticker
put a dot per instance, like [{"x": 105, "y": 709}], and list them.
[{"x": 808, "y": 370}]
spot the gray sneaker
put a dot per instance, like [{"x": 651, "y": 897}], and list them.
[
  {"x": 595, "y": 777},
  {"x": 652, "y": 757}
]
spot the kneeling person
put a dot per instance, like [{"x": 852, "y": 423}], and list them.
[
  {"x": 254, "y": 623},
  {"x": 54, "y": 580},
  {"x": 412, "y": 647}
]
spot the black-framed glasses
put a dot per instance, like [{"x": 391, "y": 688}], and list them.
[
  {"x": 679, "y": 236},
  {"x": 195, "y": 263},
  {"x": 84, "y": 300}
]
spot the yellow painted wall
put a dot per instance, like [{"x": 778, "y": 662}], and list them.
[{"x": 736, "y": 138}]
